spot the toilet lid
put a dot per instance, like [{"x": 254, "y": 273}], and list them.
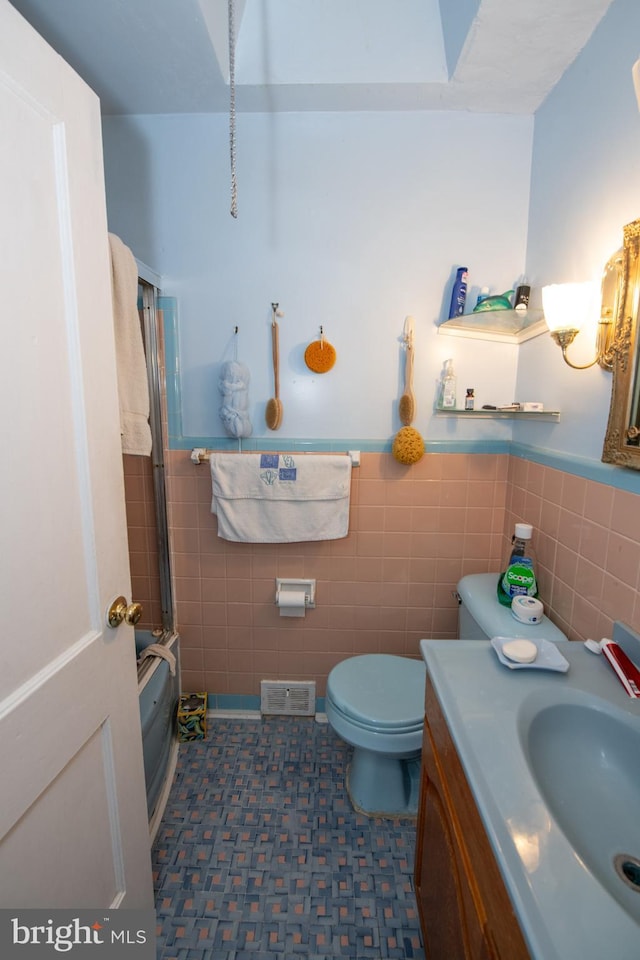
[{"x": 383, "y": 690}]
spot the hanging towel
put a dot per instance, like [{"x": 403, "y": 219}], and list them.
[
  {"x": 133, "y": 386},
  {"x": 280, "y": 498},
  {"x": 159, "y": 650}
]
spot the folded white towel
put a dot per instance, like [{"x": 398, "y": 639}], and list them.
[
  {"x": 133, "y": 385},
  {"x": 159, "y": 650},
  {"x": 280, "y": 498}
]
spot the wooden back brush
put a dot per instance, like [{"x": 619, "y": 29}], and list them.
[
  {"x": 408, "y": 445},
  {"x": 407, "y": 404},
  {"x": 273, "y": 412}
]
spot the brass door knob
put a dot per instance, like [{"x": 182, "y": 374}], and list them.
[
  {"x": 121, "y": 610},
  {"x": 133, "y": 613}
]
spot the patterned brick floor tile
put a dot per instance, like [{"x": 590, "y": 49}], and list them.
[{"x": 260, "y": 855}]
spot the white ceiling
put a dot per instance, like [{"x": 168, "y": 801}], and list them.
[{"x": 172, "y": 56}]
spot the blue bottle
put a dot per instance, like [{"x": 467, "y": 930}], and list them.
[
  {"x": 459, "y": 293},
  {"x": 484, "y": 293}
]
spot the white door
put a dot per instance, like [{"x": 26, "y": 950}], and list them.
[{"x": 73, "y": 819}]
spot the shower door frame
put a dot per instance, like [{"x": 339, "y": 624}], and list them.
[{"x": 149, "y": 292}]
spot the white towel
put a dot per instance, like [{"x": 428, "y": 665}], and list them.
[
  {"x": 133, "y": 386},
  {"x": 159, "y": 650},
  {"x": 280, "y": 498}
]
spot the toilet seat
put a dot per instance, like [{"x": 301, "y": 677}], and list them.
[
  {"x": 379, "y": 692},
  {"x": 374, "y": 702}
]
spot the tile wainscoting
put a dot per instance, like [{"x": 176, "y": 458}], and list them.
[
  {"x": 587, "y": 539},
  {"x": 142, "y": 530},
  {"x": 413, "y": 533}
]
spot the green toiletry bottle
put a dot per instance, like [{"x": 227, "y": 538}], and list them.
[{"x": 519, "y": 578}]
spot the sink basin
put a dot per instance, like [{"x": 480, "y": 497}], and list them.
[{"x": 584, "y": 755}]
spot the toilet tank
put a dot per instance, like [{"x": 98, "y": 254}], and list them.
[{"x": 482, "y": 616}]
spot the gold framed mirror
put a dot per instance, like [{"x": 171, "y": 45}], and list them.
[{"x": 622, "y": 438}]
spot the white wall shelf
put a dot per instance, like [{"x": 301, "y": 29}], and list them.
[
  {"x": 549, "y": 415},
  {"x": 504, "y": 326}
]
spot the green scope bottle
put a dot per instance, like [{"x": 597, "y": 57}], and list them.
[{"x": 519, "y": 577}]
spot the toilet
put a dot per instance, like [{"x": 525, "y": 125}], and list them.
[{"x": 375, "y": 703}]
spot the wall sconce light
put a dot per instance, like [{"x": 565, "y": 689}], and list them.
[{"x": 566, "y": 307}]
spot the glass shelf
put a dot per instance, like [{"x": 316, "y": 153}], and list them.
[
  {"x": 549, "y": 415},
  {"x": 505, "y": 326}
]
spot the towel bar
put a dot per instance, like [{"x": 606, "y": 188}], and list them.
[{"x": 202, "y": 455}]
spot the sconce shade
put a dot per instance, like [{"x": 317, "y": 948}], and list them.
[
  {"x": 635, "y": 73},
  {"x": 567, "y": 306}
]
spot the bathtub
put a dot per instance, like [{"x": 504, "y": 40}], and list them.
[{"x": 158, "y": 692}]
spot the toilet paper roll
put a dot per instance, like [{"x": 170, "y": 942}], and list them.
[
  {"x": 291, "y": 603},
  {"x": 527, "y": 609}
]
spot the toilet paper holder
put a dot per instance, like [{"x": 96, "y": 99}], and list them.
[{"x": 286, "y": 586}]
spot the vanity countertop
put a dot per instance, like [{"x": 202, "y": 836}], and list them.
[{"x": 564, "y": 912}]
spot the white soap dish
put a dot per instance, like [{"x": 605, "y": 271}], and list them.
[{"x": 548, "y": 656}]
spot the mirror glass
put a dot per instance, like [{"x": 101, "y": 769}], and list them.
[{"x": 620, "y": 295}]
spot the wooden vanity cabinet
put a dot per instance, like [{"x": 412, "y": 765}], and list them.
[{"x": 465, "y": 910}]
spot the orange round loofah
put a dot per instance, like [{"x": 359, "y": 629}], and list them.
[
  {"x": 320, "y": 356},
  {"x": 408, "y": 446}
]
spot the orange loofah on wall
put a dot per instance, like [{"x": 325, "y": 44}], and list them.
[
  {"x": 408, "y": 446},
  {"x": 320, "y": 355}
]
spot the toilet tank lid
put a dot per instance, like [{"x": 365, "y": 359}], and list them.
[{"x": 478, "y": 593}]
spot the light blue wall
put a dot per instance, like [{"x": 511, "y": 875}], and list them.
[
  {"x": 585, "y": 186},
  {"x": 350, "y": 221},
  {"x": 353, "y": 221}
]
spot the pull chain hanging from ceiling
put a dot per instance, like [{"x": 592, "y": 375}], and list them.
[{"x": 232, "y": 111}]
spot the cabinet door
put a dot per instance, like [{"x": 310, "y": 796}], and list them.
[
  {"x": 465, "y": 910},
  {"x": 451, "y": 925},
  {"x": 438, "y": 883}
]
